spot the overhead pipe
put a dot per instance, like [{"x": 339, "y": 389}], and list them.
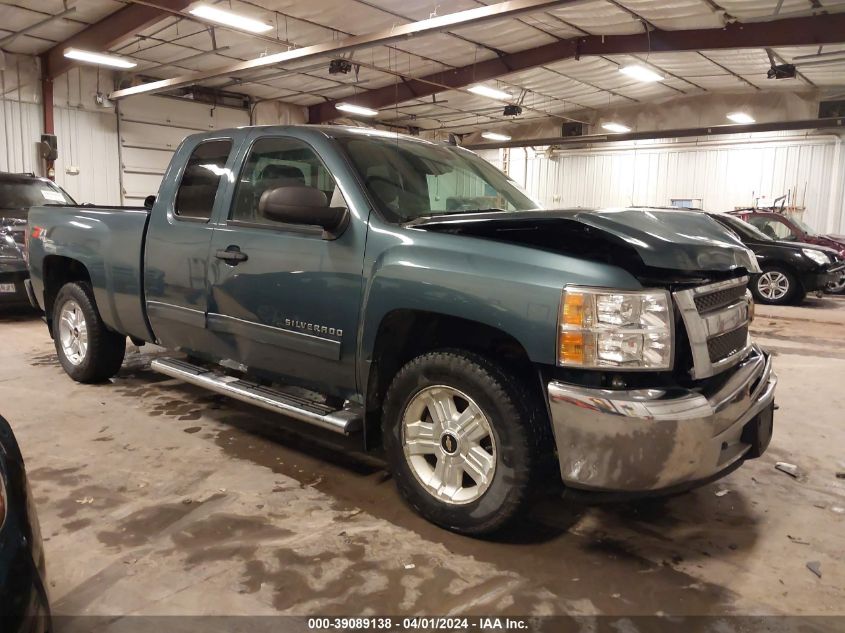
[
  {"x": 589, "y": 139},
  {"x": 815, "y": 30},
  {"x": 479, "y": 15}
]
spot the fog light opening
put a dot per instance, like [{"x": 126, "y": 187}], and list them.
[{"x": 618, "y": 382}]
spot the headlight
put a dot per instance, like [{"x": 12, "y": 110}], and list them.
[
  {"x": 817, "y": 256},
  {"x": 8, "y": 248},
  {"x": 599, "y": 328},
  {"x": 753, "y": 265}
]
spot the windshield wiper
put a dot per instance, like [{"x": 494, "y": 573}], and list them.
[
  {"x": 444, "y": 214},
  {"x": 488, "y": 210}
]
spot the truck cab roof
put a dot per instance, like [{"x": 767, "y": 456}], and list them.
[{"x": 329, "y": 131}]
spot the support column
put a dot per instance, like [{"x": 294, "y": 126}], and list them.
[{"x": 49, "y": 122}]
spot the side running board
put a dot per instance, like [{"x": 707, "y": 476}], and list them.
[{"x": 345, "y": 421}]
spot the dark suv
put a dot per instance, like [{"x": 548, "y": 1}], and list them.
[
  {"x": 780, "y": 226},
  {"x": 790, "y": 269},
  {"x": 19, "y": 192}
]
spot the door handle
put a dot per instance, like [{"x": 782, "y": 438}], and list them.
[{"x": 232, "y": 255}]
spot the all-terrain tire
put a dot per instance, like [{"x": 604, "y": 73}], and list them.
[
  {"x": 518, "y": 424},
  {"x": 102, "y": 354}
]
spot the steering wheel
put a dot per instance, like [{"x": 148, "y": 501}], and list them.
[
  {"x": 400, "y": 192},
  {"x": 375, "y": 178}
]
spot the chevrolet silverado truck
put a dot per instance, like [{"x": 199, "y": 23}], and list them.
[{"x": 409, "y": 293}]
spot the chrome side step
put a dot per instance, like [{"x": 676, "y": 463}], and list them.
[{"x": 345, "y": 421}]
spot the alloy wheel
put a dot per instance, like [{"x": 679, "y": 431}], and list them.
[
  {"x": 773, "y": 285},
  {"x": 73, "y": 332},
  {"x": 449, "y": 444},
  {"x": 836, "y": 287}
]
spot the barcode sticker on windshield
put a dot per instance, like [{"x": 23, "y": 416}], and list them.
[{"x": 53, "y": 196}]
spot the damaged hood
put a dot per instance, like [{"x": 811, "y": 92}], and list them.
[{"x": 662, "y": 238}]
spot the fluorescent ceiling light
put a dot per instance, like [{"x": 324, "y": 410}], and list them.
[
  {"x": 618, "y": 128},
  {"x": 487, "y": 91},
  {"x": 640, "y": 73},
  {"x": 356, "y": 109},
  {"x": 98, "y": 58},
  {"x": 741, "y": 117},
  {"x": 227, "y": 18},
  {"x": 495, "y": 136}
]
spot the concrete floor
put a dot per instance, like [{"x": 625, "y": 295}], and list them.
[{"x": 159, "y": 498}]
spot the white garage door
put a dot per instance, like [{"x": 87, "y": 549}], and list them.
[{"x": 151, "y": 129}]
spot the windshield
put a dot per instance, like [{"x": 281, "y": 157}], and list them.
[
  {"x": 803, "y": 225},
  {"x": 412, "y": 179},
  {"x": 22, "y": 193},
  {"x": 744, "y": 229}
]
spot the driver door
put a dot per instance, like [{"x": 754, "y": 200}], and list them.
[{"x": 284, "y": 300}]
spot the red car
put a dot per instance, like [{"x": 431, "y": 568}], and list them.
[{"x": 780, "y": 226}]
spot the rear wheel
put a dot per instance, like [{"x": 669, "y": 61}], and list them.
[
  {"x": 776, "y": 286},
  {"x": 461, "y": 436},
  {"x": 87, "y": 350}
]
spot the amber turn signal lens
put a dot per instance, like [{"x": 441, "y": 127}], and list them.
[
  {"x": 572, "y": 347},
  {"x": 573, "y": 309}
]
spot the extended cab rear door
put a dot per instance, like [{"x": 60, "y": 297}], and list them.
[
  {"x": 285, "y": 299},
  {"x": 197, "y": 182}
]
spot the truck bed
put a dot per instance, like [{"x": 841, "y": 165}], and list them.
[{"x": 109, "y": 243}]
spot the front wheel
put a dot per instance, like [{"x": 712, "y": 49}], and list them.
[
  {"x": 836, "y": 287},
  {"x": 461, "y": 436},
  {"x": 87, "y": 350},
  {"x": 776, "y": 286}
]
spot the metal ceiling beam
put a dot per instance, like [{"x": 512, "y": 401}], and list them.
[
  {"x": 713, "y": 130},
  {"x": 498, "y": 11},
  {"x": 10, "y": 38},
  {"x": 108, "y": 32},
  {"x": 262, "y": 79},
  {"x": 189, "y": 58},
  {"x": 811, "y": 30}
]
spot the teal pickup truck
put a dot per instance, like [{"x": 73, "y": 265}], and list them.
[{"x": 409, "y": 293}]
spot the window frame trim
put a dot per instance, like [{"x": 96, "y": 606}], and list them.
[
  {"x": 303, "y": 230},
  {"x": 191, "y": 219}
]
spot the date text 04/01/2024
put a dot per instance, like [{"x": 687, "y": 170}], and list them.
[{"x": 418, "y": 623}]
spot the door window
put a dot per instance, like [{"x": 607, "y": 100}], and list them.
[
  {"x": 279, "y": 162},
  {"x": 198, "y": 188},
  {"x": 774, "y": 228}
]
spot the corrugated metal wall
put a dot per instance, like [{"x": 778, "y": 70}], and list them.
[
  {"x": 151, "y": 129},
  {"x": 96, "y": 164},
  {"x": 723, "y": 174},
  {"x": 20, "y": 114},
  {"x": 20, "y": 129},
  {"x": 87, "y": 166}
]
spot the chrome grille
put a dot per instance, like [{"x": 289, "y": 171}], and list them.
[
  {"x": 718, "y": 299},
  {"x": 727, "y": 344},
  {"x": 716, "y": 318}
]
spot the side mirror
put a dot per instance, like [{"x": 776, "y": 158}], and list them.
[
  {"x": 149, "y": 202},
  {"x": 298, "y": 204}
]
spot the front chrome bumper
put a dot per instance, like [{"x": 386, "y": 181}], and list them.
[{"x": 650, "y": 439}]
